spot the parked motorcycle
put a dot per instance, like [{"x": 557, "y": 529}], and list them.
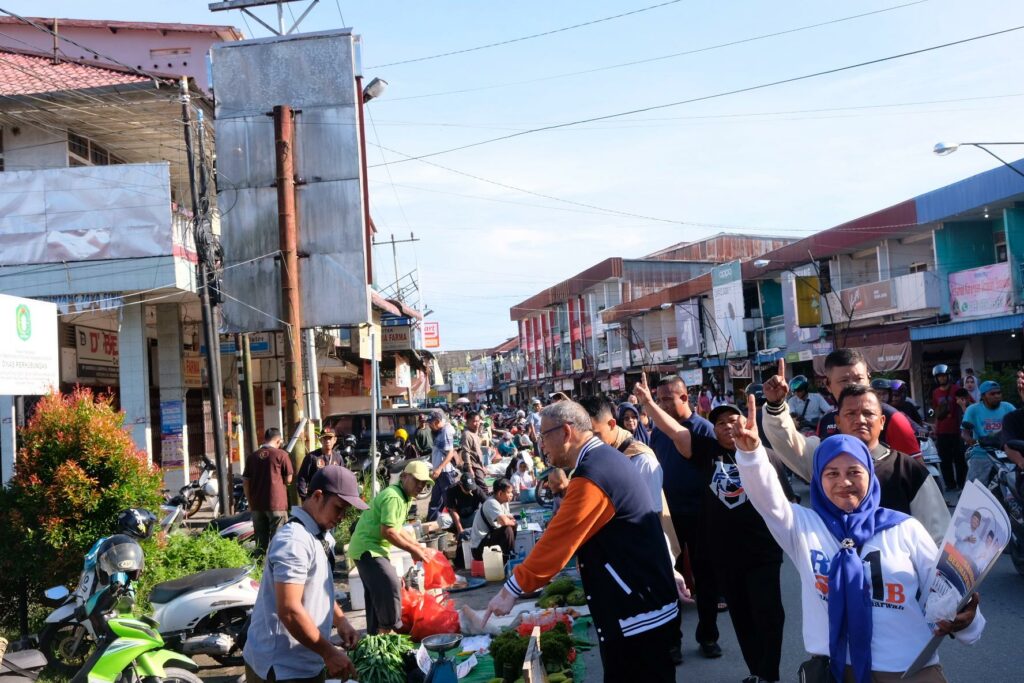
[
  {"x": 930, "y": 459},
  {"x": 23, "y": 666},
  {"x": 197, "y": 492},
  {"x": 236, "y": 527},
  {"x": 1003, "y": 485}
]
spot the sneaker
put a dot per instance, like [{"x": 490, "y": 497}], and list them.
[
  {"x": 711, "y": 650},
  {"x": 676, "y": 653}
]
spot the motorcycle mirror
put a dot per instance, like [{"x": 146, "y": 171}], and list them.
[
  {"x": 931, "y": 413},
  {"x": 56, "y": 593}
]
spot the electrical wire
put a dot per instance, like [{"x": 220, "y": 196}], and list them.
[
  {"x": 529, "y": 37},
  {"x": 704, "y": 98},
  {"x": 637, "y": 62}
]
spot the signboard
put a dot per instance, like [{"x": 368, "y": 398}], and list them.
[
  {"x": 263, "y": 344},
  {"x": 981, "y": 292},
  {"x": 688, "y": 328},
  {"x": 97, "y": 352},
  {"x": 870, "y": 298},
  {"x": 172, "y": 425},
  {"x": 396, "y": 338},
  {"x": 192, "y": 371},
  {"x": 618, "y": 382},
  {"x": 29, "y": 353},
  {"x": 692, "y": 378},
  {"x": 727, "y": 292},
  {"x": 431, "y": 336}
]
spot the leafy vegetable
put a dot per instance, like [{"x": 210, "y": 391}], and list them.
[
  {"x": 576, "y": 598},
  {"x": 562, "y": 586},
  {"x": 378, "y": 659}
]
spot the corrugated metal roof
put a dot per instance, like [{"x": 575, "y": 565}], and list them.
[
  {"x": 966, "y": 328},
  {"x": 574, "y": 286},
  {"x": 998, "y": 185}
]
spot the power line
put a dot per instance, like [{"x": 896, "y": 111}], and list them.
[
  {"x": 659, "y": 58},
  {"x": 704, "y": 98},
  {"x": 529, "y": 37}
]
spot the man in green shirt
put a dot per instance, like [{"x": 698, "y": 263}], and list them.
[{"x": 379, "y": 528}]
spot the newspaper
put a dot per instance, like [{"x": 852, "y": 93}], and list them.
[{"x": 975, "y": 539}]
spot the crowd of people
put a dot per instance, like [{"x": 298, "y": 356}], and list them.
[{"x": 667, "y": 497}]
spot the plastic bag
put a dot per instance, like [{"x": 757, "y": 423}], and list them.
[
  {"x": 436, "y": 615},
  {"x": 411, "y": 603},
  {"x": 437, "y": 571}
]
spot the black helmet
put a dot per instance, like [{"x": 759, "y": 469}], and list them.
[
  {"x": 881, "y": 384},
  {"x": 940, "y": 369},
  {"x": 119, "y": 553},
  {"x": 136, "y": 522},
  {"x": 798, "y": 383},
  {"x": 756, "y": 389}
]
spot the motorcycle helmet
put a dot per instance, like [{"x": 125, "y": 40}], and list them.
[
  {"x": 881, "y": 384},
  {"x": 136, "y": 522},
  {"x": 400, "y": 433},
  {"x": 897, "y": 385},
  {"x": 940, "y": 369},
  {"x": 350, "y": 440},
  {"x": 210, "y": 488},
  {"x": 520, "y": 414},
  {"x": 798, "y": 383},
  {"x": 119, "y": 554}
]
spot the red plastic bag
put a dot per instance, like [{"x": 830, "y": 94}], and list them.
[
  {"x": 411, "y": 603},
  {"x": 436, "y": 615},
  {"x": 437, "y": 571}
]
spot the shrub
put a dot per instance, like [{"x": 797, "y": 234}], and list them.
[
  {"x": 77, "y": 468},
  {"x": 180, "y": 554}
]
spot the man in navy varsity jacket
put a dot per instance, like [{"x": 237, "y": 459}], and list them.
[{"x": 607, "y": 519}]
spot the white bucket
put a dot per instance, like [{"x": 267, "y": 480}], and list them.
[{"x": 355, "y": 590}]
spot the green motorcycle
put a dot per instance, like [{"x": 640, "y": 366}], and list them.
[{"x": 133, "y": 652}]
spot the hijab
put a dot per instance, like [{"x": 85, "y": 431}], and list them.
[
  {"x": 849, "y": 589},
  {"x": 640, "y": 433}
]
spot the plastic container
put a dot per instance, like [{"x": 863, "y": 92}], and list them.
[
  {"x": 494, "y": 564},
  {"x": 467, "y": 553},
  {"x": 476, "y": 568},
  {"x": 400, "y": 560},
  {"x": 355, "y": 590}
]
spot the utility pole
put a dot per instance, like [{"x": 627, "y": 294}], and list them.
[
  {"x": 246, "y": 403},
  {"x": 288, "y": 235},
  {"x": 204, "y": 247}
]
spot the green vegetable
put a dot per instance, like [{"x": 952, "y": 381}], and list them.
[
  {"x": 551, "y": 601},
  {"x": 554, "y": 647},
  {"x": 562, "y": 586},
  {"x": 378, "y": 659},
  {"x": 576, "y": 598},
  {"x": 508, "y": 647},
  {"x": 557, "y": 678}
]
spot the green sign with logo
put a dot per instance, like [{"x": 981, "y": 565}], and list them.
[{"x": 23, "y": 322}]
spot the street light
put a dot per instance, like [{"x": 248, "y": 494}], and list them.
[
  {"x": 374, "y": 89},
  {"x": 946, "y": 148}
]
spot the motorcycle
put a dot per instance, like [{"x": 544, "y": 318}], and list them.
[
  {"x": 204, "y": 613},
  {"x": 23, "y": 666},
  {"x": 236, "y": 527},
  {"x": 1003, "y": 485},
  {"x": 930, "y": 459},
  {"x": 197, "y": 492}
]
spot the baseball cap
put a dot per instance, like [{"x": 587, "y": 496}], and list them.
[
  {"x": 987, "y": 386},
  {"x": 722, "y": 410},
  {"x": 337, "y": 480},
  {"x": 419, "y": 470},
  {"x": 436, "y": 414},
  {"x": 535, "y": 401},
  {"x": 467, "y": 483}
]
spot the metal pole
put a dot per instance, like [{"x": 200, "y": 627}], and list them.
[
  {"x": 288, "y": 235},
  {"x": 365, "y": 182},
  {"x": 394, "y": 259},
  {"x": 374, "y": 406},
  {"x": 249, "y": 418},
  {"x": 210, "y": 335}
]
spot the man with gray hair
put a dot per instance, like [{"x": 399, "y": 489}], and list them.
[{"x": 608, "y": 521}]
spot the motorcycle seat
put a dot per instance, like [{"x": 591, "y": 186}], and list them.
[
  {"x": 222, "y": 523},
  {"x": 163, "y": 593},
  {"x": 27, "y": 660}
]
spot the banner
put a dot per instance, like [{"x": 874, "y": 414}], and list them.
[
  {"x": 688, "y": 328},
  {"x": 981, "y": 292},
  {"x": 727, "y": 291},
  {"x": 740, "y": 369},
  {"x": 29, "y": 356},
  {"x": 431, "y": 335},
  {"x": 873, "y": 297},
  {"x": 692, "y": 378}
]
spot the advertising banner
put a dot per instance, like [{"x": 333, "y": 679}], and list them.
[
  {"x": 688, "y": 328},
  {"x": 727, "y": 292},
  {"x": 29, "y": 354},
  {"x": 981, "y": 292},
  {"x": 431, "y": 335},
  {"x": 396, "y": 338},
  {"x": 692, "y": 378},
  {"x": 97, "y": 352},
  {"x": 870, "y": 298}
]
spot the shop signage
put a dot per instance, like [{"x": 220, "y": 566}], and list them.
[
  {"x": 692, "y": 378},
  {"x": 431, "y": 336},
  {"x": 870, "y": 298},
  {"x": 29, "y": 354},
  {"x": 727, "y": 292},
  {"x": 618, "y": 382},
  {"x": 396, "y": 338},
  {"x": 192, "y": 371},
  {"x": 97, "y": 351},
  {"x": 981, "y": 292}
]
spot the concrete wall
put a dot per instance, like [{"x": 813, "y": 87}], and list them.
[
  {"x": 901, "y": 255},
  {"x": 32, "y": 148}
]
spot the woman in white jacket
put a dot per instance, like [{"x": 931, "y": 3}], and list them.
[{"x": 865, "y": 570}]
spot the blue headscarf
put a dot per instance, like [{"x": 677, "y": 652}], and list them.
[
  {"x": 640, "y": 433},
  {"x": 849, "y": 590}
]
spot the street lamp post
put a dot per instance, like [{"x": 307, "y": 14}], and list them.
[{"x": 946, "y": 148}]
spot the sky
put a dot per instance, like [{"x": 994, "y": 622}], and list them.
[{"x": 789, "y": 159}]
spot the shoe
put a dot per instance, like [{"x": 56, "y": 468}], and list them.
[
  {"x": 711, "y": 650},
  {"x": 676, "y": 653}
]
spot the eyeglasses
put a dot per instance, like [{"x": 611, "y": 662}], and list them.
[{"x": 548, "y": 431}]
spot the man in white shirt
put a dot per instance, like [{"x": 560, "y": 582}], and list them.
[
  {"x": 494, "y": 523},
  {"x": 805, "y": 406}
]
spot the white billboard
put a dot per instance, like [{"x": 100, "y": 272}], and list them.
[
  {"x": 727, "y": 291},
  {"x": 29, "y": 355}
]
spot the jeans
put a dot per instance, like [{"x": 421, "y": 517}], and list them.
[
  {"x": 438, "y": 494},
  {"x": 980, "y": 470}
]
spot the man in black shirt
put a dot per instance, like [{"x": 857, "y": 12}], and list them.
[{"x": 463, "y": 501}]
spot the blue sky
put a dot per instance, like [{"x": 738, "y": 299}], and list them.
[{"x": 789, "y": 160}]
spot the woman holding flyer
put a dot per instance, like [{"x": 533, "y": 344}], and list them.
[{"x": 865, "y": 570}]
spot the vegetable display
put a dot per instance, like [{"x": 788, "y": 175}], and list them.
[
  {"x": 558, "y": 594},
  {"x": 378, "y": 659}
]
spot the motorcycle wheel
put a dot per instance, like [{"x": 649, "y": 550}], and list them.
[
  {"x": 174, "y": 675},
  {"x": 193, "y": 503},
  {"x": 56, "y": 643},
  {"x": 234, "y": 622}
]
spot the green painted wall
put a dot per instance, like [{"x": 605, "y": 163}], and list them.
[
  {"x": 1013, "y": 219},
  {"x": 970, "y": 244},
  {"x": 771, "y": 299}
]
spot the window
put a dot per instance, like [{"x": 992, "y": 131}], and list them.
[
  {"x": 1000, "y": 244},
  {"x": 920, "y": 267},
  {"x": 84, "y": 152}
]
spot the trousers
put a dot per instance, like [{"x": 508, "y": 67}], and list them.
[
  {"x": 953, "y": 463},
  {"x": 264, "y": 525},
  {"x": 755, "y": 607},
  {"x": 691, "y": 534},
  {"x": 643, "y": 657}
]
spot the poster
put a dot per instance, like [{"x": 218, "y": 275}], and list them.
[
  {"x": 172, "y": 427},
  {"x": 29, "y": 357},
  {"x": 981, "y": 292},
  {"x": 688, "y": 328},
  {"x": 727, "y": 292}
]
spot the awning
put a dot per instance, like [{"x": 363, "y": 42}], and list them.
[
  {"x": 967, "y": 328},
  {"x": 879, "y": 358}
]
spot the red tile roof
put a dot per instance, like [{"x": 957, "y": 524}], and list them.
[
  {"x": 226, "y": 32},
  {"x": 32, "y": 74}
]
